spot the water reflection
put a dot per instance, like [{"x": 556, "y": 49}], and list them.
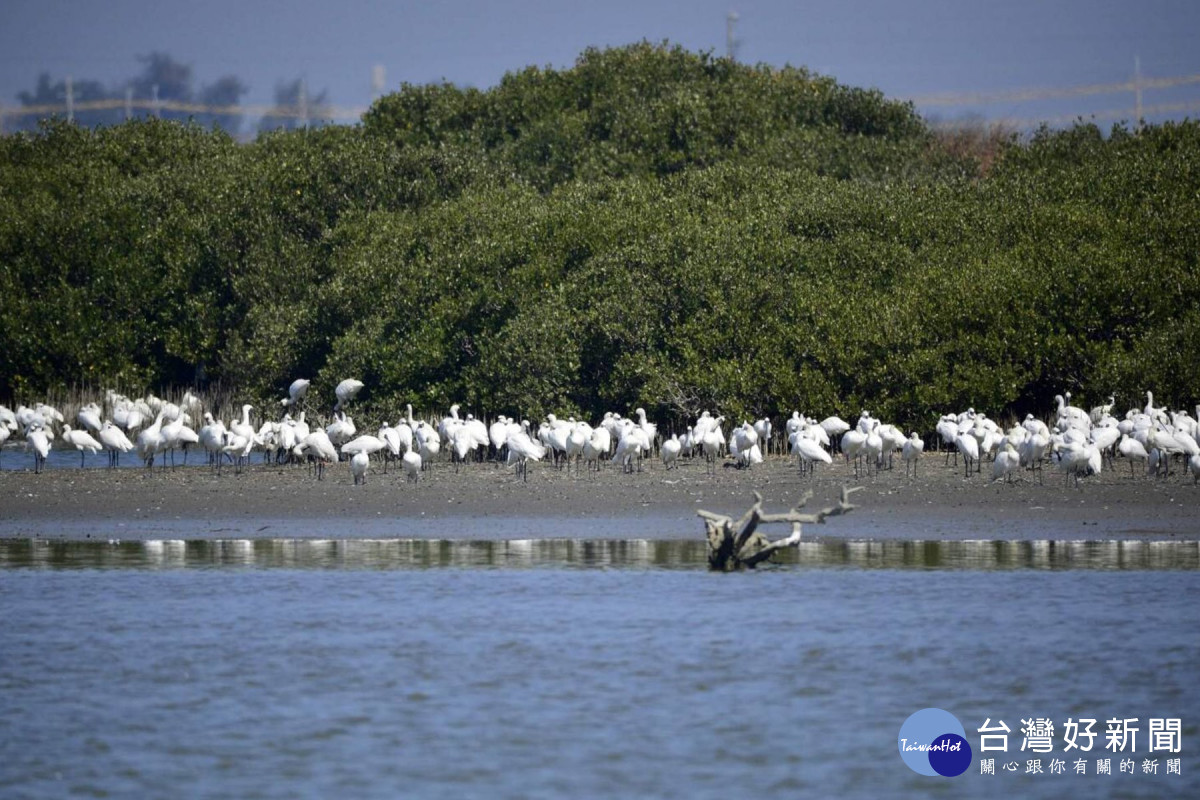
[{"x": 687, "y": 554}]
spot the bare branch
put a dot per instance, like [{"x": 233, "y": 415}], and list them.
[{"x": 747, "y": 547}]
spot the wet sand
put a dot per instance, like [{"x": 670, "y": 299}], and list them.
[{"x": 485, "y": 501}]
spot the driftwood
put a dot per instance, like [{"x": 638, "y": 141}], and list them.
[{"x": 739, "y": 545}]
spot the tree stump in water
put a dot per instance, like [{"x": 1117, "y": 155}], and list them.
[{"x": 740, "y": 545}]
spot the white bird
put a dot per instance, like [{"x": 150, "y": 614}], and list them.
[
  {"x": 711, "y": 443},
  {"x": 243, "y": 428},
  {"x": 968, "y": 445},
  {"x": 365, "y": 444},
  {"x": 498, "y": 434},
  {"x": 873, "y": 447},
  {"x": 670, "y": 452},
  {"x": 391, "y": 440},
  {"x": 597, "y": 447},
  {"x": 412, "y": 465},
  {"x": 462, "y": 442},
  {"x": 342, "y": 429},
  {"x": 346, "y": 391},
  {"x": 177, "y": 434},
  {"x": 1133, "y": 450},
  {"x": 742, "y": 441},
  {"x": 36, "y": 438},
  {"x": 449, "y": 424},
  {"x": 4, "y": 434},
  {"x": 630, "y": 446},
  {"x": 238, "y": 448},
  {"x": 318, "y": 446},
  {"x": 1073, "y": 459},
  {"x": 521, "y": 448},
  {"x": 1167, "y": 446},
  {"x": 358, "y": 467},
  {"x": 150, "y": 441},
  {"x": 89, "y": 418},
  {"x": 212, "y": 438},
  {"x": 852, "y": 443},
  {"x": 81, "y": 441},
  {"x": 893, "y": 440},
  {"x": 911, "y": 452},
  {"x": 1194, "y": 468},
  {"x": 428, "y": 443},
  {"x": 115, "y": 442},
  {"x": 1007, "y": 462},
  {"x": 649, "y": 428},
  {"x": 763, "y": 428},
  {"x": 808, "y": 452},
  {"x": 1100, "y": 412},
  {"x": 296, "y": 392},
  {"x": 577, "y": 440}
]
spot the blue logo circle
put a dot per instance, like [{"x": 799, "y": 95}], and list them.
[{"x": 933, "y": 742}]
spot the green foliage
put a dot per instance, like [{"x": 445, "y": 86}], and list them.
[{"x": 649, "y": 228}]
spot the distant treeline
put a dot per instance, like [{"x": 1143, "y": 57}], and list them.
[{"x": 651, "y": 227}]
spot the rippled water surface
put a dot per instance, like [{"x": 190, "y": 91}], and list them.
[{"x": 277, "y": 668}]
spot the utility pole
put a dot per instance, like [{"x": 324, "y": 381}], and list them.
[
  {"x": 1137, "y": 91},
  {"x": 378, "y": 80},
  {"x": 70, "y": 100},
  {"x": 128, "y": 102},
  {"x": 730, "y": 41}
]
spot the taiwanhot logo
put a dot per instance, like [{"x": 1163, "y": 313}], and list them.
[{"x": 933, "y": 742}]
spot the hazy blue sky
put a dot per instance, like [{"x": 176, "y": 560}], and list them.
[{"x": 906, "y": 49}]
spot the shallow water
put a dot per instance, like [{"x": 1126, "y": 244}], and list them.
[{"x": 609, "y": 668}]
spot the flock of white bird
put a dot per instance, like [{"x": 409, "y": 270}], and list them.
[{"x": 1076, "y": 442}]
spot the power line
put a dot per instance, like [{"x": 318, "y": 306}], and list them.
[{"x": 1050, "y": 93}]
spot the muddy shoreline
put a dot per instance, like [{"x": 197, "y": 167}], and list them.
[{"x": 484, "y": 501}]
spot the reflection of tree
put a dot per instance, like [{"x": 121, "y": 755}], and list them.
[{"x": 296, "y": 107}]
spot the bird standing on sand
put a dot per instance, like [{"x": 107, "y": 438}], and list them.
[{"x": 358, "y": 467}]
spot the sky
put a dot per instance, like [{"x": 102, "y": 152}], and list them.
[{"x": 919, "y": 50}]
